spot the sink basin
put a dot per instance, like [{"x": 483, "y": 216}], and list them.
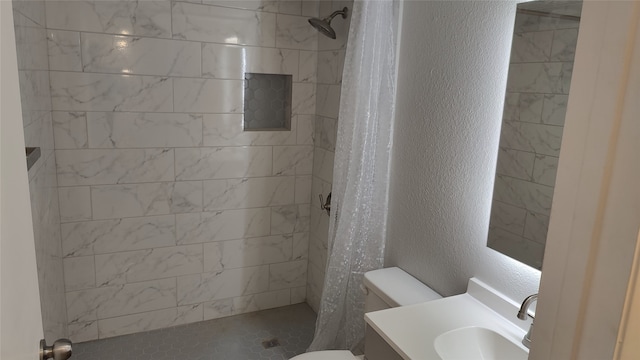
[{"x": 477, "y": 343}]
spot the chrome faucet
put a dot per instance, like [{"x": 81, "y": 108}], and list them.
[{"x": 522, "y": 315}]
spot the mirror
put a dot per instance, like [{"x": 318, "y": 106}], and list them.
[{"x": 540, "y": 67}]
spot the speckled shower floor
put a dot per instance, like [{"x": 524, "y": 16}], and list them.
[{"x": 238, "y": 337}]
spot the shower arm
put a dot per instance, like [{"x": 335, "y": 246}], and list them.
[{"x": 342, "y": 12}]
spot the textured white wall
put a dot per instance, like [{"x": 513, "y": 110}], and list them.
[{"x": 453, "y": 65}]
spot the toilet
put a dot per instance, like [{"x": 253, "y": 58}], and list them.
[{"x": 384, "y": 289}]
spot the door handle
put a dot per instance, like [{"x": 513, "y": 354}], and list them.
[{"x": 60, "y": 350}]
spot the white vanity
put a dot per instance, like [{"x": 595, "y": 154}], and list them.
[{"x": 479, "y": 324}]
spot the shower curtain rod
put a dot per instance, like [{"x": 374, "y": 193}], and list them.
[{"x": 548, "y": 14}]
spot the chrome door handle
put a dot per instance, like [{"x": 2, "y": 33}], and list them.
[{"x": 60, "y": 350}]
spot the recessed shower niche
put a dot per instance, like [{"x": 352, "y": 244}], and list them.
[{"x": 267, "y": 102}]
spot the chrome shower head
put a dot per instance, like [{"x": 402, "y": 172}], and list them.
[{"x": 324, "y": 25}]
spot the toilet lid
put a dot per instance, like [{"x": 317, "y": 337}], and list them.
[{"x": 326, "y": 355}]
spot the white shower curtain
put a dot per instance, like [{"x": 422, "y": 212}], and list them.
[{"x": 361, "y": 172}]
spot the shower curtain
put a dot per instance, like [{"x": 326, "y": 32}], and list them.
[{"x": 361, "y": 172}]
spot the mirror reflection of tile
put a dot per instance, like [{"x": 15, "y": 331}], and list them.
[
  {"x": 540, "y": 68},
  {"x": 267, "y": 102}
]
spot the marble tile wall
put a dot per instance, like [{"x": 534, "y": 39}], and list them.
[
  {"x": 537, "y": 90},
  {"x": 330, "y": 62},
  {"x": 171, "y": 213},
  {"x": 33, "y": 67}
]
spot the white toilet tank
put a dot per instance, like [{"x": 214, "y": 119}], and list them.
[{"x": 392, "y": 287}]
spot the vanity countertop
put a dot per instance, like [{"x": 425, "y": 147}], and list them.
[{"x": 412, "y": 330}]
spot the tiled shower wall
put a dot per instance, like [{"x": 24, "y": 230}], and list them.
[
  {"x": 537, "y": 90},
  {"x": 331, "y": 55},
  {"x": 33, "y": 68},
  {"x": 170, "y": 212}
]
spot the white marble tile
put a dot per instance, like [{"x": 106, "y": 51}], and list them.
[
  {"x": 536, "y": 227},
  {"x": 147, "y": 18},
  {"x": 217, "y": 309},
  {"x": 64, "y": 50},
  {"x": 223, "y": 25},
  {"x": 540, "y": 78},
  {"x": 289, "y": 219},
  {"x": 537, "y": 138},
  {"x": 515, "y": 163},
  {"x": 131, "y": 200},
  {"x": 315, "y": 279},
  {"x": 143, "y": 130},
  {"x": 303, "y": 99},
  {"x": 529, "y": 108},
  {"x": 525, "y": 22},
  {"x": 34, "y": 90},
  {"x": 523, "y": 194},
  {"x": 69, "y": 129},
  {"x": 222, "y": 225},
  {"x": 227, "y": 130},
  {"x": 83, "y": 331},
  {"x": 545, "y": 169},
  {"x": 31, "y": 115},
  {"x": 248, "y": 193},
  {"x": 232, "y": 62},
  {"x": 328, "y": 62},
  {"x": 341, "y": 59},
  {"x": 308, "y": 66},
  {"x": 75, "y": 203},
  {"x": 147, "y": 321},
  {"x": 292, "y": 7},
  {"x": 310, "y": 8},
  {"x": 223, "y": 162},
  {"x": 294, "y": 32},
  {"x": 232, "y": 254},
  {"x": 287, "y": 275},
  {"x": 328, "y": 100},
  {"x": 262, "y": 301},
  {"x": 326, "y": 133},
  {"x": 554, "y": 109},
  {"x": 531, "y": 46},
  {"x": 323, "y": 164},
  {"x": 31, "y": 48},
  {"x": 28, "y": 13},
  {"x": 186, "y": 197},
  {"x": 292, "y": 160},
  {"x": 101, "y": 92},
  {"x": 303, "y": 190},
  {"x": 110, "y": 301},
  {"x": 510, "y": 109},
  {"x": 305, "y": 129},
  {"x": 208, "y": 95},
  {"x": 298, "y": 295},
  {"x": 79, "y": 273},
  {"x": 95, "y": 167},
  {"x": 39, "y": 133},
  {"x": 300, "y": 246},
  {"x": 143, "y": 56},
  {"x": 193, "y": 289},
  {"x": 256, "y": 5},
  {"x": 508, "y": 217},
  {"x": 141, "y": 265},
  {"x": 564, "y": 45},
  {"x": 517, "y": 247},
  {"x": 107, "y": 236}
]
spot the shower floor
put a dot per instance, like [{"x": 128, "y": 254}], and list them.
[{"x": 238, "y": 337}]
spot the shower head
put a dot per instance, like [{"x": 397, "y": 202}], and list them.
[{"x": 324, "y": 25}]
